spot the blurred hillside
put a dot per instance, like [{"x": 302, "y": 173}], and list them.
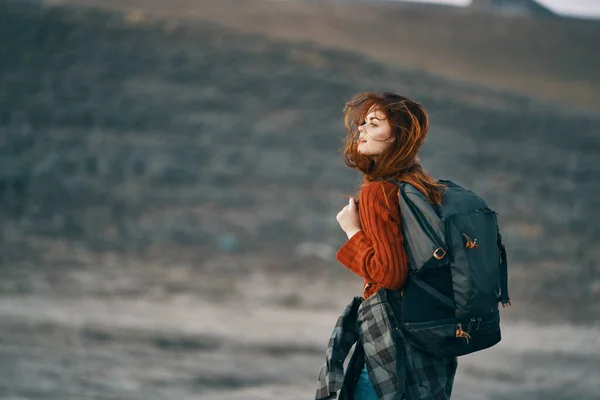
[
  {"x": 550, "y": 59},
  {"x": 187, "y": 142},
  {"x": 513, "y": 7}
]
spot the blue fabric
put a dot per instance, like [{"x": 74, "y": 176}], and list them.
[{"x": 364, "y": 389}]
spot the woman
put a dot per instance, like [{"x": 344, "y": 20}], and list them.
[{"x": 385, "y": 133}]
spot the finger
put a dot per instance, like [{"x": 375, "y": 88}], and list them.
[{"x": 351, "y": 202}]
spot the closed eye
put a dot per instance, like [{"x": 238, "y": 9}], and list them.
[{"x": 371, "y": 124}]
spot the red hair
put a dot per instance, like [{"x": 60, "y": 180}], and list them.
[{"x": 409, "y": 123}]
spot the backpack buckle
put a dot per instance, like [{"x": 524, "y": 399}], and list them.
[{"x": 439, "y": 253}]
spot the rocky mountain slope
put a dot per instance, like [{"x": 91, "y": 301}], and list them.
[{"x": 550, "y": 59}]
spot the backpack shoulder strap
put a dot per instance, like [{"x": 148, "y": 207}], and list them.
[{"x": 504, "y": 298}]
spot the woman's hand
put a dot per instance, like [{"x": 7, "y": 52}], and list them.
[{"x": 348, "y": 218}]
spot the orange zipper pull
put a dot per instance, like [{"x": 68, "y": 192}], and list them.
[
  {"x": 462, "y": 334},
  {"x": 470, "y": 244}
]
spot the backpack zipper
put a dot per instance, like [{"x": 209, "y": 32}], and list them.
[{"x": 485, "y": 210}]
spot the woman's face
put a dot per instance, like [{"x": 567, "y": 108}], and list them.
[{"x": 375, "y": 134}]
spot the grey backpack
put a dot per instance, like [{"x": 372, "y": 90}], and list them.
[{"x": 457, "y": 275}]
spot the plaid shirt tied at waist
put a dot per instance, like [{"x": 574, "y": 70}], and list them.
[{"x": 397, "y": 370}]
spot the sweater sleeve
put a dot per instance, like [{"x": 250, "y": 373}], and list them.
[{"x": 377, "y": 251}]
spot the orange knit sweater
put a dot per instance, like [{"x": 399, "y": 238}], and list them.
[{"x": 377, "y": 251}]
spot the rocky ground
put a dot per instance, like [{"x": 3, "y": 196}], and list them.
[{"x": 168, "y": 190}]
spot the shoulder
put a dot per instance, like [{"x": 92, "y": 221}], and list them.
[{"x": 374, "y": 192}]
